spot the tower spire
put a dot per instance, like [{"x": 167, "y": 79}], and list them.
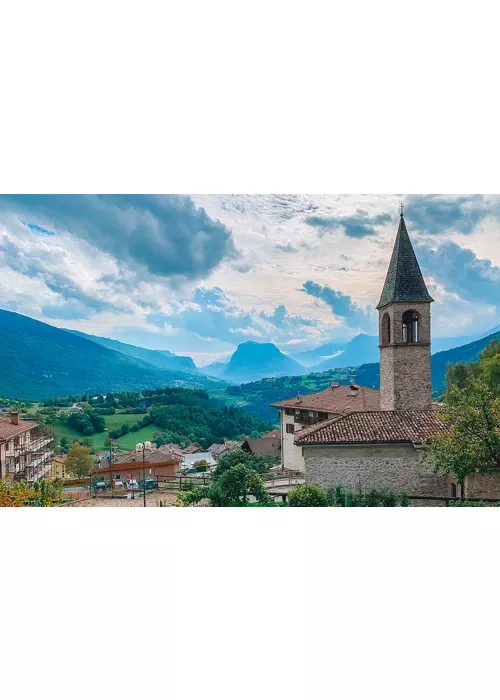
[{"x": 404, "y": 281}]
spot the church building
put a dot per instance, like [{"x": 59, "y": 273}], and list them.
[
  {"x": 362, "y": 438},
  {"x": 382, "y": 448}
]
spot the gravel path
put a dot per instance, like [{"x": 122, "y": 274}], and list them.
[{"x": 152, "y": 500}]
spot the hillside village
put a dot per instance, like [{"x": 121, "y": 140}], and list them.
[{"x": 175, "y": 445}]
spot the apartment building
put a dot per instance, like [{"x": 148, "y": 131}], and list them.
[{"x": 26, "y": 449}]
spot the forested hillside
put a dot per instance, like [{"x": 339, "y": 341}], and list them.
[
  {"x": 38, "y": 361},
  {"x": 173, "y": 414},
  {"x": 256, "y": 396}
]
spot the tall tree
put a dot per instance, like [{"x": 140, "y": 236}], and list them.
[{"x": 79, "y": 460}]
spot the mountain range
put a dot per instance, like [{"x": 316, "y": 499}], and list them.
[
  {"x": 38, "y": 361},
  {"x": 163, "y": 359},
  {"x": 253, "y": 361}
]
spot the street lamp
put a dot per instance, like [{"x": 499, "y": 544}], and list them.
[
  {"x": 106, "y": 430},
  {"x": 143, "y": 447}
]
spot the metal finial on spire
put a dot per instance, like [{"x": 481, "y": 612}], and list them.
[{"x": 402, "y": 208}]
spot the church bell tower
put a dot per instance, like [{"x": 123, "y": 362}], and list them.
[{"x": 405, "y": 331}]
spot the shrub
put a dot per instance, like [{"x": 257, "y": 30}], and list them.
[
  {"x": 307, "y": 496},
  {"x": 340, "y": 497}
]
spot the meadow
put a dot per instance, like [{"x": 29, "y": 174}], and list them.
[{"x": 100, "y": 440}]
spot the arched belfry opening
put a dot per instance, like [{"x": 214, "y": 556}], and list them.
[
  {"x": 411, "y": 327},
  {"x": 386, "y": 329}
]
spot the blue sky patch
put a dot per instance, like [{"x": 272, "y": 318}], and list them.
[{"x": 38, "y": 229}]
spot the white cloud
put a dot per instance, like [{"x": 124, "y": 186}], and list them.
[{"x": 66, "y": 280}]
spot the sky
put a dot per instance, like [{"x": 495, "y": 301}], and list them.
[{"x": 199, "y": 274}]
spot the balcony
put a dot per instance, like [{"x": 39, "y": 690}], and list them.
[{"x": 306, "y": 420}]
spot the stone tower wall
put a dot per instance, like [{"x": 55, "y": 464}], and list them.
[{"x": 405, "y": 368}]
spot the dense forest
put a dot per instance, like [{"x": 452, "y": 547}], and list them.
[
  {"x": 182, "y": 416},
  {"x": 256, "y": 396}
]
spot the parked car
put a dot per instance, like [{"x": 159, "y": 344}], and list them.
[
  {"x": 119, "y": 484},
  {"x": 100, "y": 486},
  {"x": 132, "y": 484},
  {"x": 149, "y": 483}
]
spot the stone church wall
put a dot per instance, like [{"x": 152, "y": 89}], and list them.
[
  {"x": 395, "y": 467},
  {"x": 483, "y": 486}
]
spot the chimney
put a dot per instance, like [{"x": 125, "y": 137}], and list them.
[{"x": 14, "y": 417}]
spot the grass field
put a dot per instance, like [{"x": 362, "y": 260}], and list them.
[
  {"x": 100, "y": 440},
  {"x": 129, "y": 441}
]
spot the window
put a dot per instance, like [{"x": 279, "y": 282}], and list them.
[
  {"x": 453, "y": 490},
  {"x": 289, "y": 412},
  {"x": 117, "y": 477},
  {"x": 410, "y": 327},
  {"x": 290, "y": 428},
  {"x": 322, "y": 416},
  {"x": 386, "y": 330}
]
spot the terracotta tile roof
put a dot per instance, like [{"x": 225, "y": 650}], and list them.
[
  {"x": 171, "y": 449},
  {"x": 192, "y": 449},
  {"x": 336, "y": 399},
  {"x": 263, "y": 447},
  {"x": 273, "y": 434},
  {"x": 217, "y": 449},
  {"x": 130, "y": 457},
  {"x": 8, "y": 430},
  {"x": 374, "y": 427}
]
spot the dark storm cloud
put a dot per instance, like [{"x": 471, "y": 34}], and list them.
[
  {"x": 358, "y": 225},
  {"x": 434, "y": 214},
  {"x": 461, "y": 272},
  {"x": 168, "y": 235},
  {"x": 341, "y": 304}
]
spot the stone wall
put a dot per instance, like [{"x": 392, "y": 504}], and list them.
[
  {"x": 405, "y": 368},
  {"x": 483, "y": 486},
  {"x": 396, "y": 467}
]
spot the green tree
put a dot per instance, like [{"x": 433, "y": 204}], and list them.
[
  {"x": 261, "y": 465},
  {"x": 233, "y": 488},
  {"x": 472, "y": 443},
  {"x": 79, "y": 461},
  {"x": 98, "y": 422},
  {"x": 307, "y": 496}
]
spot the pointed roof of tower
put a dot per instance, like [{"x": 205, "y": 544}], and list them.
[{"x": 404, "y": 281}]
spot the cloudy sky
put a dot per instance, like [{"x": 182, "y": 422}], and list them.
[{"x": 198, "y": 274}]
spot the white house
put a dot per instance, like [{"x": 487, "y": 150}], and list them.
[{"x": 304, "y": 411}]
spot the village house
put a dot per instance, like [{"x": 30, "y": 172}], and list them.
[
  {"x": 25, "y": 449},
  {"x": 304, "y": 411},
  {"x": 361, "y": 438},
  {"x": 129, "y": 466},
  {"x": 190, "y": 460},
  {"x": 57, "y": 470},
  {"x": 219, "y": 450},
  {"x": 263, "y": 447}
]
